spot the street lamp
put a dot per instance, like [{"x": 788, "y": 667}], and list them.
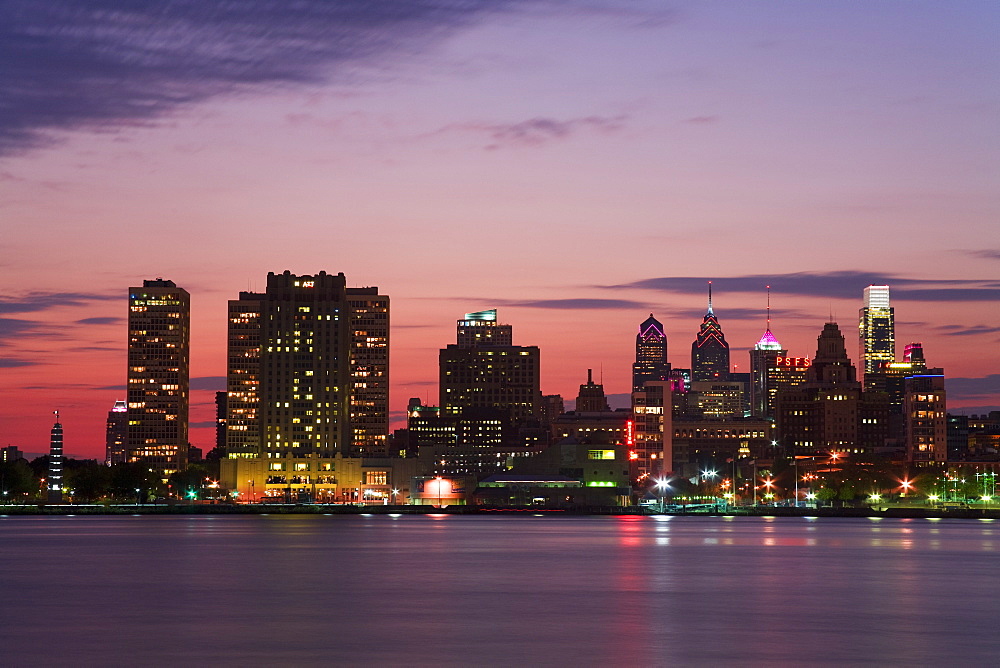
[
  {"x": 662, "y": 484},
  {"x": 769, "y": 483}
]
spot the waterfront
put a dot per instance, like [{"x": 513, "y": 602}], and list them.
[{"x": 497, "y": 590}]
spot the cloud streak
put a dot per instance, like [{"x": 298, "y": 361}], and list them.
[
  {"x": 581, "y": 304},
  {"x": 966, "y": 389},
  {"x": 833, "y": 284},
  {"x": 535, "y": 131},
  {"x": 40, "y": 301},
  {"x": 103, "y": 64}
]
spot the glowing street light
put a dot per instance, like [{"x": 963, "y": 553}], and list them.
[{"x": 662, "y": 485}]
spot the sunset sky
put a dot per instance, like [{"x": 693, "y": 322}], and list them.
[{"x": 576, "y": 165}]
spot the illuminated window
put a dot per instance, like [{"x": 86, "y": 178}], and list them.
[{"x": 600, "y": 454}]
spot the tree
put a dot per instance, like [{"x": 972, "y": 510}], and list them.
[
  {"x": 88, "y": 479},
  {"x": 17, "y": 481},
  {"x": 126, "y": 478},
  {"x": 189, "y": 479}
]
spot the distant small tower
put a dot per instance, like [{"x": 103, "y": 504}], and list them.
[
  {"x": 591, "y": 398},
  {"x": 55, "y": 481}
]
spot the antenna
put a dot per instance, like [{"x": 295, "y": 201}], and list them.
[{"x": 768, "y": 308}]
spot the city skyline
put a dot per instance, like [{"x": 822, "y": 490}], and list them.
[{"x": 607, "y": 168}]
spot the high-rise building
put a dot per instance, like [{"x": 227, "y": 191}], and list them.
[
  {"x": 484, "y": 370},
  {"x": 772, "y": 370},
  {"x": 116, "y": 432},
  {"x": 710, "y": 352},
  {"x": 926, "y": 418},
  {"x": 243, "y": 376},
  {"x": 54, "y": 482},
  {"x": 369, "y": 371},
  {"x": 158, "y": 375},
  {"x": 308, "y": 369},
  {"x": 591, "y": 398},
  {"x": 762, "y": 357},
  {"x": 877, "y": 329},
  {"x": 649, "y": 434},
  {"x": 650, "y": 354},
  {"x": 307, "y": 358}
]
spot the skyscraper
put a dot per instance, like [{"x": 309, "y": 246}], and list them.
[
  {"x": 308, "y": 369},
  {"x": 877, "y": 328},
  {"x": 158, "y": 375},
  {"x": 243, "y": 376},
  {"x": 762, "y": 357},
  {"x": 484, "y": 370},
  {"x": 650, "y": 354},
  {"x": 772, "y": 370},
  {"x": 115, "y": 434},
  {"x": 369, "y": 371},
  {"x": 710, "y": 352}
]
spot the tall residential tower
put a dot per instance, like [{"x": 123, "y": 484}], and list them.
[
  {"x": 308, "y": 369},
  {"x": 158, "y": 375}
]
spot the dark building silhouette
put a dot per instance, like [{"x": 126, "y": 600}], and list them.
[
  {"x": 650, "y": 354},
  {"x": 829, "y": 412},
  {"x": 115, "y": 433},
  {"x": 484, "y": 370},
  {"x": 710, "y": 352},
  {"x": 159, "y": 354},
  {"x": 591, "y": 398},
  {"x": 221, "y": 410}
]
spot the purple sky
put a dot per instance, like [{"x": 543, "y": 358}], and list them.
[{"x": 574, "y": 165}]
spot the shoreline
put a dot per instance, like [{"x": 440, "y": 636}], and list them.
[{"x": 631, "y": 511}]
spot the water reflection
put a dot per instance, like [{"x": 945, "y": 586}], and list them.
[{"x": 461, "y": 590}]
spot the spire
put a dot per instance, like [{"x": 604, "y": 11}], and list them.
[
  {"x": 768, "y": 308},
  {"x": 710, "y": 296},
  {"x": 768, "y": 341}
]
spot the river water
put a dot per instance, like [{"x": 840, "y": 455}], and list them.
[{"x": 497, "y": 590}]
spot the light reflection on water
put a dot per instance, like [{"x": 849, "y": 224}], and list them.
[{"x": 457, "y": 590}]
